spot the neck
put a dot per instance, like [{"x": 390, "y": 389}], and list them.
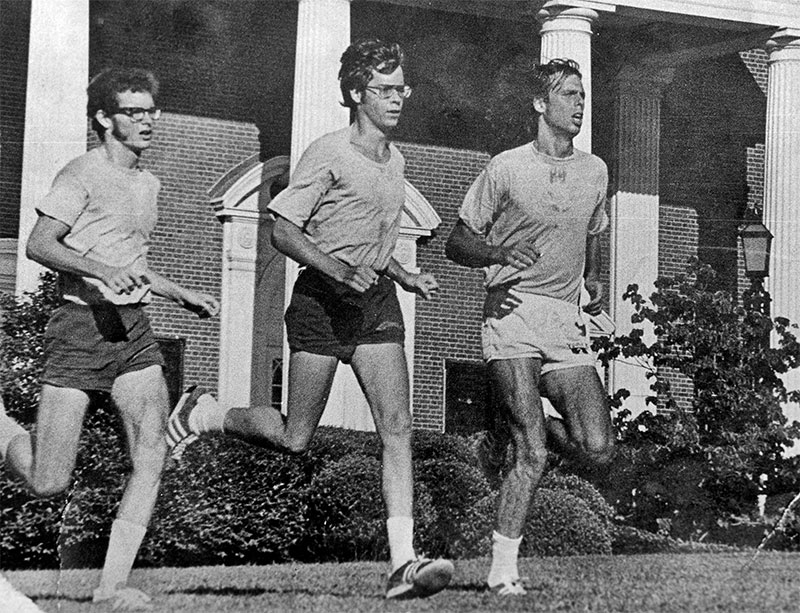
[
  {"x": 553, "y": 144},
  {"x": 119, "y": 154},
  {"x": 371, "y": 141},
  {"x": 367, "y": 134}
]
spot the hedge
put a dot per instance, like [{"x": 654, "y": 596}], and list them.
[{"x": 227, "y": 502}]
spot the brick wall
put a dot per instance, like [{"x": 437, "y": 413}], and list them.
[
  {"x": 14, "y": 26},
  {"x": 189, "y": 155},
  {"x": 449, "y": 326}
]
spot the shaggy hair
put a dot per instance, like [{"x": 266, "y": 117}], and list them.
[{"x": 360, "y": 59}]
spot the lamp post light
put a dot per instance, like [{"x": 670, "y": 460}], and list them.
[{"x": 756, "y": 244}]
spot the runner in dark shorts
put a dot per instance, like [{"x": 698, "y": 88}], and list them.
[
  {"x": 94, "y": 229},
  {"x": 340, "y": 218}
]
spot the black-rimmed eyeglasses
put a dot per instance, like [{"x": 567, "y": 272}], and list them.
[
  {"x": 137, "y": 113},
  {"x": 386, "y": 91}
]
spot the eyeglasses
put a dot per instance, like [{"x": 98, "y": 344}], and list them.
[
  {"x": 136, "y": 113},
  {"x": 385, "y": 91}
]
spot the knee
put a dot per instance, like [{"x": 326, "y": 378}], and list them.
[
  {"x": 297, "y": 445},
  {"x": 530, "y": 460},
  {"x": 49, "y": 486},
  {"x": 396, "y": 427},
  {"x": 149, "y": 455},
  {"x": 598, "y": 449}
]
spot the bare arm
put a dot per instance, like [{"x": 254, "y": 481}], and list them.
[
  {"x": 422, "y": 283},
  {"x": 197, "y": 302},
  {"x": 592, "y": 275},
  {"x": 291, "y": 242},
  {"x": 45, "y": 246},
  {"x": 469, "y": 249}
]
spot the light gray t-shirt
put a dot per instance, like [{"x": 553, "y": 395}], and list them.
[
  {"x": 347, "y": 204},
  {"x": 111, "y": 212},
  {"x": 556, "y": 201}
]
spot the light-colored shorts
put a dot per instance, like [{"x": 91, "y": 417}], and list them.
[{"x": 521, "y": 325}]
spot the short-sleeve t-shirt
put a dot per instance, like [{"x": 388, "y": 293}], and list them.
[
  {"x": 110, "y": 211},
  {"x": 555, "y": 201},
  {"x": 348, "y": 205}
]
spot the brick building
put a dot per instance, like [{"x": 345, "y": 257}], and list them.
[{"x": 693, "y": 105}]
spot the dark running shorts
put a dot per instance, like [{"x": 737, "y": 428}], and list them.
[
  {"x": 326, "y": 317},
  {"x": 88, "y": 347}
]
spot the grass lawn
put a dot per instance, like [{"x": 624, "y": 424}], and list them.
[{"x": 679, "y": 583}]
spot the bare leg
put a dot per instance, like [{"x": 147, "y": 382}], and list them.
[
  {"x": 143, "y": 402},
  {"x": 46, "y": 462},
  {"x": 310, "y": 381},
  {"x": 517, "y": 381},
  {"x": 383, "y": 374},
  {"x": 586, "y": 436}
]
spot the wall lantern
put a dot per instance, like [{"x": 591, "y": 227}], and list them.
[{"x": 756, "y": 244}]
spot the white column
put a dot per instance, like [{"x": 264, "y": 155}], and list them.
[
  {"x": 239, "y": 253},
  {"x": 323, "y": 33},
  {"x": 55, "y": 109},
  {"x": 634, "y": 211},
  {"x": 782, "y": 183},
  {"x": 567, "y": 33}
]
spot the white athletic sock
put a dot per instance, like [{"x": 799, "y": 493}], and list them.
[
  {"x": 9, "y": 430},
  {"x": 123, "y": 545},
  {"x": 401, "y": 540},
  {"x": 504, "y": 559},
  {"x": 208, "y": 415}
]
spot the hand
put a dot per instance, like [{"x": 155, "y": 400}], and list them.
[
  {"x": 202, "y": 304},
  {"x": 125, "y": 279},
  {"x": 423, "y": 284},
  {"x": 359, "y": 278},
  {"x": 596, "y": 291},
  {"x": 520, "y": 255}
]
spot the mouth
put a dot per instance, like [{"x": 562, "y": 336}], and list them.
[{"x": 578, "y": 117}]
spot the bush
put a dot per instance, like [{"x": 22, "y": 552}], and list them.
[
  {"x": 229, "y": 503},
  {"x": 562, "y": 524},
  {"x": 705, "y": 460},
  {"x": 462, "y": 507}
]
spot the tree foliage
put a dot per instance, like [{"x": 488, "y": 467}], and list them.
[{"x": 732, "y": 430}]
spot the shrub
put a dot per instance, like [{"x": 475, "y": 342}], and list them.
[
  {"x": 22, "y": 323},
  {"x": 227, "y": 503},
  {"x": 561, "y": 524},
  {"x": 462, "y": 505},
  {"x": 708, "y": 457},
  {"x": 573, "y": 484}
]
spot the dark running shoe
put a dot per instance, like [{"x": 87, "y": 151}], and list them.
[{"x": 419, "y": 578}]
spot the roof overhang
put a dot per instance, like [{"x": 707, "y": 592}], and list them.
[{"x": 736, "y": 14}]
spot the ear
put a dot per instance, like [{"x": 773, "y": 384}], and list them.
[
  {"x": 356, "y": 96},
  {"x": 103, "y": 119},
  {"x": 539, "y": 105}
]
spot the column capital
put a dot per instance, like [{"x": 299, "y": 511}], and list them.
[
  {"x": 650, "y": 80},
  {"x": 784, "y": 45},
  {"x": 561, "y": 17}
]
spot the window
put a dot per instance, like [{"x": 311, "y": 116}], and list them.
[
  {"x": 172, "y": 349},
  {"x": 277, "y": 383},
  {"x": 468, "y": 406}
]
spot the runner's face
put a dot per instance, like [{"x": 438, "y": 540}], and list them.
[
  {"x": 135, "y": 135},
  {"x": 383, "y": 113},
  {"x": 563, "y": 109}
]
